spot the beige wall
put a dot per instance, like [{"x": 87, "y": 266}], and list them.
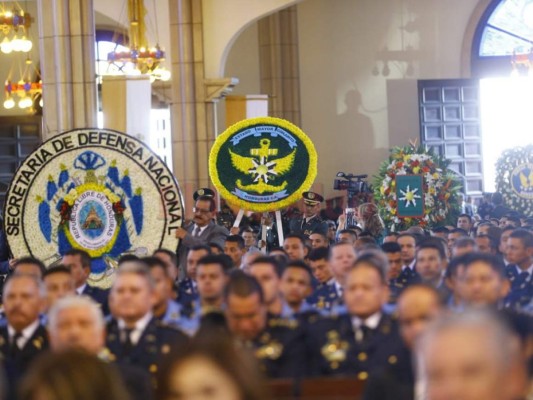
[{"x": 352, "y": 115}]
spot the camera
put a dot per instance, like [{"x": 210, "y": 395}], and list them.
[{"x": 351, "y": 183}]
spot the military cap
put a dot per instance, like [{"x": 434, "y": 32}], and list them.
[
  {"x": 312, "y": 198},
  {"x": 203, "y": 192}
]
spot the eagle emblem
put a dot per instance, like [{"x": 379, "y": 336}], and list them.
[
  {"x": 526, "y": 181},
  {"x": 263, "y": 167}
]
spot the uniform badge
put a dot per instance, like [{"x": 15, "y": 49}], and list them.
[
  {"x": 334, "y": 351},
  {"x": 150, "y": 338},
  {"x": 165, "y": 349},
  {"x": 271, "y": 350},
  {"x": 38, "y": 343}
]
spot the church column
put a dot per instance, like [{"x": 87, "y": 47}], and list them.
[
  {"x": 193, "y": 97},
  {"x": 66, "y": 45},
  {"x": 279, "y": 65}
]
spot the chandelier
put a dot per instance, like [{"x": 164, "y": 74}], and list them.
[
  {"x": 13, "y": 26},
  {"x": 24, "y": 92},
  {"x": 144, "y": 58}
]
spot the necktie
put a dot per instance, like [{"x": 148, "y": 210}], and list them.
[
  {"x": 197, "y": 231},
  {"x": 127, "y": 343},
  {"x": 522, "y": 279},
  {"x": 14, "y": 348}
]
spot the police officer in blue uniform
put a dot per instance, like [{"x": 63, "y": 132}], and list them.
[
  {"x": 277, "y": 343},
  {"x": 520, "y": 270},
  {"x": 310, "y": 222},
  {"x": 134, "y": 335},
  {"x": 365, "y": 339}
]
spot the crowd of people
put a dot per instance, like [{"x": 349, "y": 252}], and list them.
[{"x": 439, "y": 314}]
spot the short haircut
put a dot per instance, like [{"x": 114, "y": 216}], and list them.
[
  {"x": 205, "y": 247},
  {"x": 366, "y": 239},
  {"x": 391, "y": 247},
  {"x": 242, "y": 285},
  {"x": 493, "y": 241},
  {"x": 210, "y": 199},
  {"x": 154, "y": 262},
  {"x": 454, "y": 264},
  {"x": 299, "y": 264},
  {"x": 296, "y": 236},
  {"x": 30, "y": 260},
  {"x": 395, "y": 234},
  {"x": 349, "y": 232},
  {"x": 431, "y": 243},
  {"x": 412, "y": 235},
  {"x": 495, "y": 263},
  {"x": 459, "y": 230},
  {"x": 38, "y": 282},
  {"x": 276, "y": 265},
  {"x": 84, "y": 256},
  {"x": 525, "y": 236},
  {"x": 136, "y": 267},
  {"x": 464, "y": 241},
  {"x": 375, "y": 260},
  {"x": 236, "y": 239},
  {"x": 465, "y": 216},
  {"x": 320, "y": 253},
  {"x": 338, "y": 244},
  {"x": 222, "y": 260},
  {"x": 173, "y": 256},
  {"x": 423, "y": 286},
  {"x": 325, "y": 237},
  {"x": 70, "y": 302},
  {"x": 56, "y": 269},
  {"x": 211, "y": 245},
  {"x": 508, "y": 228},
  {"x": 440, "y": 229},
  {"x": 127, "y": 258}
]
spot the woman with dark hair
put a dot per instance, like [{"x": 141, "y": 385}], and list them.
[
  {"x": 72, "y": 375},
  {"x": 212, "y": 368},
  {"x": 369, "y": 219}
]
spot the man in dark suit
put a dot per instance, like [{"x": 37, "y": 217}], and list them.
[
  {"x": 77, "y": 323},
  {"x": 204, "y": 230},
  {"x": 23, "y": 338},
  {"x": 134, "y": 336},
  {"x": 79, "y": 264},
  {"x": 365, "y": 340}
]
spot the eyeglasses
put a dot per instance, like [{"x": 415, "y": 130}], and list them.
[{"x": 200, "y": 211}]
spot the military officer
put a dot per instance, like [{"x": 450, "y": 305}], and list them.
[
  {"x": 520, "y": 269},
  {"x": 311, "y": 221},
  {"x": 365, "y": 339},
  {"x": 23, "y": 338},
  {"x": 187, "y": 287},
  {"x": 277, "y": 343},
  {"x": 319, "y": 263},
  {"x": 134, "y": 336},
  {"x": 409, "y": 275}
]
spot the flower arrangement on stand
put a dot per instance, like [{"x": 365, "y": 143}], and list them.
[
  {"x": 514, "y": 179},
  {"x": 438, "y": 196}
]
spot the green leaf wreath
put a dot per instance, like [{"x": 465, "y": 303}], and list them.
[
  {"x": 514, "y": 179},
  {"x": 440, "y": 186}
]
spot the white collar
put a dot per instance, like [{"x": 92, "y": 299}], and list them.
[
  {"x": 80, "y": 290},
  {"x": 372, "y": 322},
  {"x": 410, "y": 266},
  {"x": 139, "y": 328},
  {"x": 529, "y": 270},
  {"x": 27, "y": 333}
]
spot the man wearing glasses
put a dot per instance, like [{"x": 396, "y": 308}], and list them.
[{"x": 203, "y": 230}]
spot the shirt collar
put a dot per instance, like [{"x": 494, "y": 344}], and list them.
[
  {"x": 529, "y": 270},
  {"x": 410, "y": 266},
  {"x": 372, "y": 322},
  {"x": 139, "y": 328},
  {"x": 80, "y": 290},
  {"x": 27, "y": 333},
  {"x": 202, "y": 228}
]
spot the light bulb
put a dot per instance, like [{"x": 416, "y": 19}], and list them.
[
  {"x": 41, "y": 102},
  {"x": 25, "y": 102},
  {"x": 25, "y": 45},
  {"x": 6, "y": 46},
  {"x": 164, "y": 75},
  {"x": 9, "y": 103},
  {"x": 16, "y": 43}
]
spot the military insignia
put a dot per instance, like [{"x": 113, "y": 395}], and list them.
[
  {"x": 38, "y": 343},
  {"x": 521, "y": 180},
  {"x": 89, "y": 189},
  {"x": 335, "y": 349},
  {"x": 200, "y": 192},
  {"x": 150, "y": 338},
  {"x": 153, "y": 368},
  {"x": 271, "y": 350},
  {"x": 106, "y": 355},
  {"x": 393, "y": 360},
  {"x": 263, "y": 164},
  {"x": 165, "y": 349}
]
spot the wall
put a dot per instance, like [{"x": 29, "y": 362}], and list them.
[{"x": 343, "y": 43}]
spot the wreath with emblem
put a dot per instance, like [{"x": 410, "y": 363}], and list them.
[
  {"x": 263, "y": 164},
  {"x": 514, "y": 179},
  {"x": 437, "y": 194},
  {"x": 89, "y": 189}
]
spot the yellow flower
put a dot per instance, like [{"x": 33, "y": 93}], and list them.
[
  {"x": 436, "y": 175},
  {"x": 416, "y": 170}
]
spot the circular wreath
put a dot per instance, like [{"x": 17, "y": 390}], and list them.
[
  {"x": 440, "y": 188},
  {"x": 514, "y": 179},
  {"x": 263, "y": 164}
]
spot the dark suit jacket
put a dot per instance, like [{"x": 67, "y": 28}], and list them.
[
  {"x": 98, "y": 295},
  {"x": 156, "y": 342},
  {"x": 212, "y": 233},
  {"x": 17, "y": 365}
]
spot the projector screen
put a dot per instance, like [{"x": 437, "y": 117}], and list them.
[{"x": 506, "y": 120}]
